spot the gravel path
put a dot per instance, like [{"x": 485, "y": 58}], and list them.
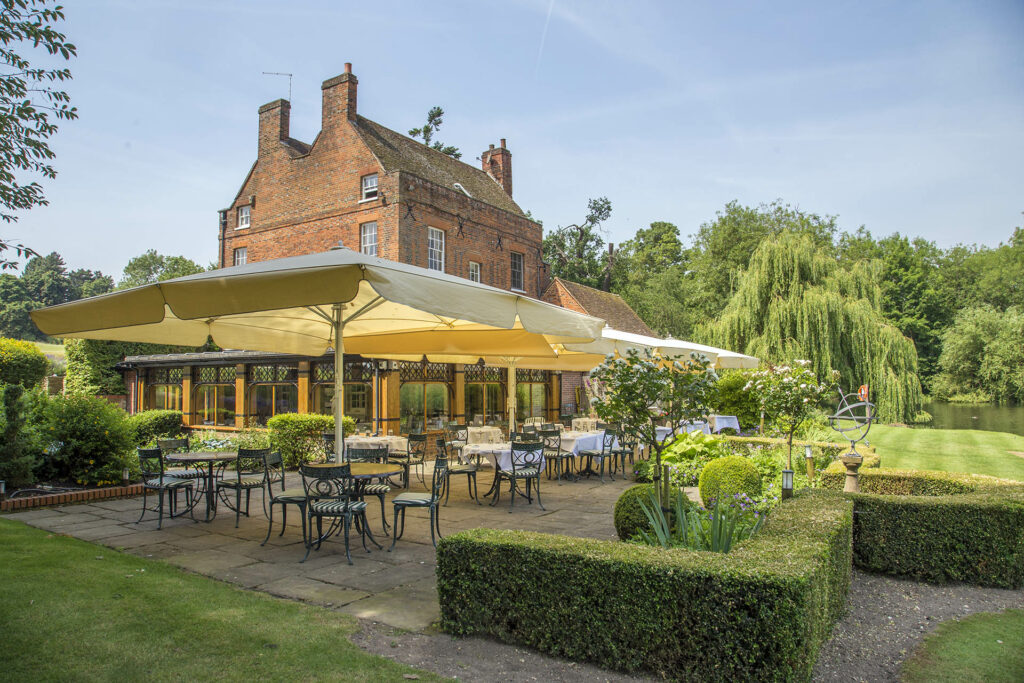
[{"x": 885, "y": 621}]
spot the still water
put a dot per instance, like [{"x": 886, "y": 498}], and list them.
[{"x": 990, "y": 417}]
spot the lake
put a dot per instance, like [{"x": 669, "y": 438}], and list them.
[{"x": 987, "y": 416}]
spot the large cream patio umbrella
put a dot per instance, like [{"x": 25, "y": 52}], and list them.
[{"x": 308, "y": 305}]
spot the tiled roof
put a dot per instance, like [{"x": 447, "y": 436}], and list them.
[
  {"x": 607, "y": 306},
  {"x": 400, "y": 153}
]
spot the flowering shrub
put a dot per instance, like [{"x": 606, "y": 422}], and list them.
[
  {"x": 688, "y": 454},
  {"x": 789, "y": 394},
  {"x": 87, "y": 441}
]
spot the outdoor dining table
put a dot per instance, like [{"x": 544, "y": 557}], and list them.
[
  {"x": 364, "y": 472},
  {"x": 395, "y": 444},
  {"x": 477, "y": 435},
  {"x": 500, "y": 455},
  {"x": 720, "y": 422},
  {"x": 207, "y": 463},
  {"x": 584, "y": 424}
]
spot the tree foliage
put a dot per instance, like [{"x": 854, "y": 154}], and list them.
[
  {"x": 22, "y": 363},
  {"x": 435, "y": 117},
  {"x": 983, "y": 356},
  {"x": 795, "y": 301},
  {"x": 30, "y": 105},
  {"x": 576, "y": 252},
  {"x": 152, "y": 267}
]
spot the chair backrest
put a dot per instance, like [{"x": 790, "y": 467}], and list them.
[
  {"x": 367, "y": 454},
  {"x": 440, "y": 471},
  {"x": 460, "y": 433},
  {"x": 151, "y": 462},
  {"x": 527, "y": 454},
  {"x": 608, "y": 440},
  {"x": 547, "y": 426},
  {"x": 417, "y": 445},
  {"x": 273, "y": 468},
  {"x": 173, "y": 445},
  {"x": 552, "y": 439},
  {"x": 251, "y": 461},
  {"x": 530, "y": 430},
  {"x": 330, "y": 481},
  {"x": 602, "y": 425},
  {"x": 533, "y": 421}
]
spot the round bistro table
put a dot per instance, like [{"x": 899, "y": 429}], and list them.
[{"x": 206, "y": 461}]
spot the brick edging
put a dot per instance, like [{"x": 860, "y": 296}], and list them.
[{"x": 70, "y": 497}]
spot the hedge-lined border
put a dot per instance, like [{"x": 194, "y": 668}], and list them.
[
  {"x": 820, "y": 445},
  {"x": 13, "y": 504},
  {"x": 761, "y": 612},
  {"x": 938, "y": 527}
]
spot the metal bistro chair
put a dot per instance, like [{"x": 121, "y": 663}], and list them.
[
  {"x": 627, "y": 449},
  {"x": 457, "y": 438},
  {"x": 456, "y": 468},
  {"x": 404, "y": 501},
  {"x": 250, "y": 474},
  {"x": 554, "y": 456},
  {"x": 328, "y": 446},
  {"x": 330, "y": 492},
  {"x": 527, "y": 463},
  {"x": 151, "y": 462},
  {"x": 414, "y": 457},
  {"x": 169, "y": 446},
  {"x": 606, "y": 451},
  {"x": 379, "y": 488},
  {"x": 273, "y": 466}
]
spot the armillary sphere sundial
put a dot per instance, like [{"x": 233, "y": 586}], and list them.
[{"x": 852, "y": 419}]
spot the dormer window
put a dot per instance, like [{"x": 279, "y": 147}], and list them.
[
  {"x": 369, "y": 186},
  {"x": 243, "y": 217}
]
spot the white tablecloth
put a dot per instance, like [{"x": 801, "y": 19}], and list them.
[
  {"x": 720, "y": 422},
  {"x": 574, "y": 441},
  {"x": 484, "y": 435},
  {"x": 395, "y": 444},
  {"x": 698, "y": 426},
  {"x": 584, "y": 424},
  {"x": 499, "y": 454}
]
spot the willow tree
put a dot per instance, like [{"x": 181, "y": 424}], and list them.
[{"x": 796, "y": 301}]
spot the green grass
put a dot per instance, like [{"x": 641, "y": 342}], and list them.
[
  {"x": 55, "y": 350},
  {"x": 72, "y": 610},
  {"x": 950, "y": 450},
  {"x": 981, "y": 647}
]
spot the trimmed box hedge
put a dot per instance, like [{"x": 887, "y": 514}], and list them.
[
  {"x": 760, "y": 612},
  {"x": 833, "y": 448},
  {"x": 938, "y": 526}
]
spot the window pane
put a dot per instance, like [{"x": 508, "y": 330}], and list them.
[
  {"x": 410, "y": 408},
  {"x": 215, "y": 404},
  {"x": 517, "y": 271},
  {"x": 436, "y": 405},
  {"x": 357, "y": 401},
  {"x": 243, "y": 216},
  {"x": 435, "y": 249},
  {"x": 474, "y": 271},
  {"x": 286, "y": 398},
  {"x": 474, "y": 401},
  {"x": 370, "y": 186},
  {"x": 368, "y": 238},
  {"x": 323, "y": 399},
  {"x": 538, "y": 400},
  {"x": 495, "y": 402}
]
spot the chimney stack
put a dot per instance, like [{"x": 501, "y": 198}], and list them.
[
  {"x": 498, "y": 164},
  {"x": 339, "y": 98},
  {"x": 275, "y": 118}
]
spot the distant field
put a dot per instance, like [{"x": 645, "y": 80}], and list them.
[
  {"x": 997, "y": 454},
  {"x": 52, "y": 350}
]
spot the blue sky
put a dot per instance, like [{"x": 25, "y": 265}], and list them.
[{"x": 901, "y": 116}]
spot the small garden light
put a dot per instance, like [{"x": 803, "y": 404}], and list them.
[
  {"x": 787, "y": 484},
  {"x": 809, "y": 456}
]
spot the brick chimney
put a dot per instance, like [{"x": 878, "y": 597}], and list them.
[
  {"x": 274, "y": 121},
  {"x": 498, "y": 164},
  {"x": 339, "y": 98}
]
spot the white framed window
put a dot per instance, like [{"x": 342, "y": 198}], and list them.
[
  {"x": 243, "y": 217},
  {"x": 517, "y": 271},
  {"x": 435, "y": 249},
  {"x": 368, "y": 238},
  {"x": 474, "y": 271},
  {"x": 369, "y": 184},
  {"x": 240, "y": 256}
]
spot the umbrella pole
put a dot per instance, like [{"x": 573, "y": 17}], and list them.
[
  {"x": 511, "y": 396},
  {"x": 339, "y": 383}
]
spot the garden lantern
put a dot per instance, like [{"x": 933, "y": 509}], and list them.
[{"x": 787, "y": 484}]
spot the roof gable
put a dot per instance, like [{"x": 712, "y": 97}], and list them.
[
  {"x": 609, "y": 307},
  {"x": 396, "y": 152}
]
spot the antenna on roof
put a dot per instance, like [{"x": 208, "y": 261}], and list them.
[{"x": 279, "y": 73}]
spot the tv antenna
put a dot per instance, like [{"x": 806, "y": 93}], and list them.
[{"x": 279, "y": 73}]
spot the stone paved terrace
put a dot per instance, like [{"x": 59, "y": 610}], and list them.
[{"x": 396, "y": 588}]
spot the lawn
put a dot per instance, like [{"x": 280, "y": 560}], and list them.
[
  {"x": 951, "y": 450},
  {"x": 72, "y": 610},
  {"x": 54, "y": 350},
  {"x": 981, "y": 647}
]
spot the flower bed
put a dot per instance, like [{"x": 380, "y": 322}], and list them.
[
  {"x": 938, "y": 526},
  {"x": 761, "y": 612},
  {"x": 81, "y": 496}
]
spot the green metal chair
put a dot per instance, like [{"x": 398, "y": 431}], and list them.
[
  {"x": 600, "y": 455},
  {"x": 379, "y": 488},
  {"x": 414, "y": 457},
  {"x": 170, "y": 446},
  {"x": 404, "y": 501},
  {"x": 249, "y": 474},
  {"x": 330, "y": 492},
  {"x": 554, "y": 456},
  {"x": 455, "y": 468},
  {"x": 273, "y": 466},
  {"x": 151, "y": 462},
  {"x": 527, "y": 465}
]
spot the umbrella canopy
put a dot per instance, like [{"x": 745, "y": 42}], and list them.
[{"x": 308, "y": 304}]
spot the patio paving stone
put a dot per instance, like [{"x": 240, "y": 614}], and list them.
[
  {"x": 209, "y": 561},
  {"x": 310, "y": 590}
]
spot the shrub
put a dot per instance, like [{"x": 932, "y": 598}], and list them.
[
  {"x": 760, "y": 612},
  {"x": 938, "y": 526},
  {"x": 725, "y": 477},
  {"x": 145, "y": 427},
  {"x": 717, "y": 530},
  {"x": 629, "y": 517},
  {"x": 88, "y": 441},
  {"x": 299, "y": 437},
  {"x": 22, "y": 362},
  {"x": 687, "y": 455},
  {"x": 730, "y": 398},
  {"x": 17, "y": 445}
]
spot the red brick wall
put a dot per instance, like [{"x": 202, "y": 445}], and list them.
[{"x": 559, "y": 296}]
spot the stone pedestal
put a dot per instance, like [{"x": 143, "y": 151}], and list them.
[{"x": 852, "y": 463}]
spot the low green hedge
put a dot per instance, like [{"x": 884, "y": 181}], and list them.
[
  {"x": 149, "y": 425},
  {"x": 629, "y": 518},
  {"x": 723, "y": 478},
  {"x": 938, "y": 526},
  {"x": 760, "y": 612},
  {"x": 832, "y": 448},
  {"x": 299, "y": 436}
]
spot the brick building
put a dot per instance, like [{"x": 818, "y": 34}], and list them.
[{"x": 371, "y": 189}]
